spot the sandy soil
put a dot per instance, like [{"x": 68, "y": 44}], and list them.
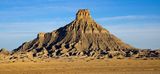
[{"x": 83, "y": 67}]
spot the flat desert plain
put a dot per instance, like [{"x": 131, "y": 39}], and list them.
[{"x": 61, "y": 66}]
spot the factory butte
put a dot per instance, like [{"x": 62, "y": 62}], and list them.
[{"x": 83, "y": 37}]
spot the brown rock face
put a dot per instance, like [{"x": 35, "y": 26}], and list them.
[
  {"x": 83, "y": 14},
  {"x": 81, "y": 37}
]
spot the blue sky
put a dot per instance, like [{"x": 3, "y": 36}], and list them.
[{"x": 136, "y": 22}]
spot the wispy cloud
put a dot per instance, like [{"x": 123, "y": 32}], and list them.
[
  {"x": 129, "y": 17},
  {"x": 133, "y": 29},
  {"x": 35, "y": 23},
  {"x": 140, "y": 37}
]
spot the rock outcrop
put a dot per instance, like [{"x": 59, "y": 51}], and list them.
[
  {"x": 4, "y": 54},
  {"x": 4, "y": 51}
]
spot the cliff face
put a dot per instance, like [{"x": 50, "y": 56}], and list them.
[{"x": 81, "y": 37}]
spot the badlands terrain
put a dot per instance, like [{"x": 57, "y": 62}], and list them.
[{"x": 80, "y": 47}]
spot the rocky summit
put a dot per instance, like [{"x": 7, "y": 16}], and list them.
[{"x": 82, "y": 37}]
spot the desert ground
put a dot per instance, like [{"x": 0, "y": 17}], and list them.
[{"x": 83, "y": 66}]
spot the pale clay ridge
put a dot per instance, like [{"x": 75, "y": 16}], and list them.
[{"x": 81, "y": 37}]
